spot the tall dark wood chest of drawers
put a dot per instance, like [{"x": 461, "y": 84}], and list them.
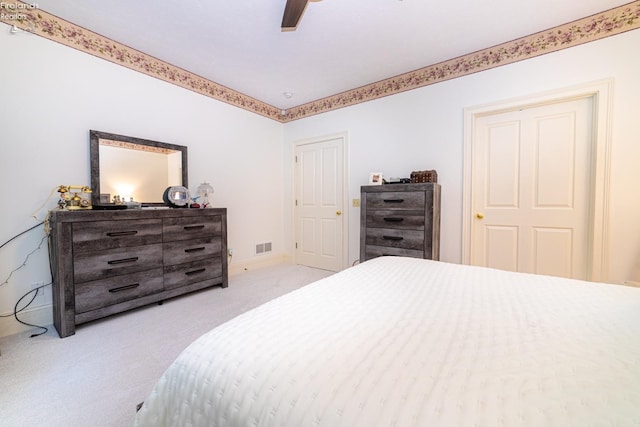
[
  {"x": 400, "y": 220},
  {"x": 107, "y": 262}
]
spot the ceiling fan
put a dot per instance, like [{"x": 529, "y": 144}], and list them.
[{"x": 292, "y": 13}]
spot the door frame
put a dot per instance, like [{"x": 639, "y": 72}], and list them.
[
  {"x": 344, "y": 262},
  {"x": 598, "y": 229}
]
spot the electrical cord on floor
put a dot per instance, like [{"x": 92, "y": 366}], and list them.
[{"x": 33, "y": 291}]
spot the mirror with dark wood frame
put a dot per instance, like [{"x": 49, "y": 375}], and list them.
[{"x": 134, "y": 168}]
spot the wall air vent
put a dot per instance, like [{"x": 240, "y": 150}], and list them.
[{"x": 262, "y": 248}]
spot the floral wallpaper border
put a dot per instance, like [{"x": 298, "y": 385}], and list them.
[
  {"x": 39, "y": 22},
  {"x": 605, "y": 24}
]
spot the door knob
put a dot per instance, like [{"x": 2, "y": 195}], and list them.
[
  {"x": 338, "y": 212},
  {"x": 479, "y": 215}
]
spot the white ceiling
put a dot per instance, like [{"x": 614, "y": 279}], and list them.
[{"x": 339, "y": 44}]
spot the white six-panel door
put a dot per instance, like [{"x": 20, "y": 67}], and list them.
[
  {"x": 531, "y": 189},
  {"x": 319, "y": 204}
]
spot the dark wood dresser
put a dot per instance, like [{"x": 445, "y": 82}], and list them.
[
  {"x": 107, "y": 262},
  {"x": 401, "y": 220}
]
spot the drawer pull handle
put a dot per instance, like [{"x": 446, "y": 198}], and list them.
[
  {"x": 194, "y": 227},
  {"x": 394, "y": 238},
  {"x": 124, "y": 288},
  {"x": 393, "y": 200},
  {"x": 393, "y": 219},
  {"x": 123, "y": 260},
  {"x": 122, "y": 233},
  {"x": 200, "y": 270},
  {"x": 201, "y": 248}
]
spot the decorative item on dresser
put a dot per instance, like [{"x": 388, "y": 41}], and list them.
[
  {"x": 400, "y": 219},
  {"x": 424, "y": 176},
  {"x": 107, "y": 262}
]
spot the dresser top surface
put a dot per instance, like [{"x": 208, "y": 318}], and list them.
[
  {"x": 124, "y": 214},
  {"x": 398, "y": 187}
]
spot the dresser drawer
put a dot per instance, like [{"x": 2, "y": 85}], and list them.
[
  {"x": 191, "y": 227},
  {"x": 179, "y": 275},
  {"x": 376, "y": 251},
  {"x": 395, "y": 219},
  {"x": 396, "y": 200},
  {"x": 97, "y": 265},
  {"x": 113, "y": 290},
  {"x": 182, "y": 251},
  {"x": 99, "y": 235},
  {"x": 408, "y": 239}
]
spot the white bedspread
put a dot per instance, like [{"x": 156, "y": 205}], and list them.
[{"x": 408, "y": 342}]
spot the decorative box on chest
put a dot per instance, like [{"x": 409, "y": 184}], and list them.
[
  {"x": 418, "y": 177},
  {"x": 107, "y": 262},
  {"x": 401, "y": 220}
]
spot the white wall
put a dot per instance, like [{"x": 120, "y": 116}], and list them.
[
  {"x": 423, "y": 129},
  {"x": 51, "y": 96}
]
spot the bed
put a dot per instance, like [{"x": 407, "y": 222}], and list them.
[{"x": 408, "y": 342}]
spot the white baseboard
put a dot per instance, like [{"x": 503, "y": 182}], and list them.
[
  {"x": 261, "y": 261},
  {"x": 41, "y": 316}
]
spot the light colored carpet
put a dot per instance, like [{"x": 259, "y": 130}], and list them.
[{"x": 98, "y": 376}]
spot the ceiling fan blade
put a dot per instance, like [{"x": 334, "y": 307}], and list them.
[{"x": 292, "y": 13}]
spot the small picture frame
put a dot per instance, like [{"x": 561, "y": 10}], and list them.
[{"x": 375, "y": 178}]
